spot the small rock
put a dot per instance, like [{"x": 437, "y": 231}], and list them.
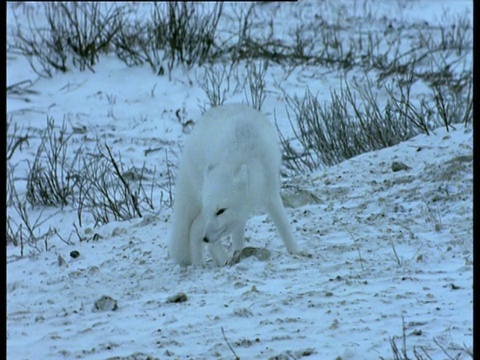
[
  {"x": 105, "y": 303},
  {"x": 177, "y": 298},
  {"x": 305, "y": 352},
  {"x": 242, "y": 312},
  {"x": 260, "y": 253},
  {"x": 92, "y": 270},
  {"x": 118, "y": 231},
  {"x": 283, "y": 356},
  {"x": 399, "y": 166},
  {"x": 294, "y": 197},
  {"x": 61, "y": 261},
  {"x": 460, "y": 159},
  {"x": 334, "y": 325},
  {"x": 134, "y": 356},
  {"x": 416, "y": 332},
  {"x": 454, "y": 287}
]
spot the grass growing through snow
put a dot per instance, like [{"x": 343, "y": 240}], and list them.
[
  {"x": 454, "y": 351},
  {"x": 94, "y": 183}
]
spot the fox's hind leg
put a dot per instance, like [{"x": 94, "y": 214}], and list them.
[
  {"x": 276, "y": 211},
  {"x": 238, "y": 237}
]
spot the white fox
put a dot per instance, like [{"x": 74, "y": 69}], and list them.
[{"x": 230, "y": 166}]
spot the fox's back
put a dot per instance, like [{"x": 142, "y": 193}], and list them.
[{"x": 233, "y": 133}]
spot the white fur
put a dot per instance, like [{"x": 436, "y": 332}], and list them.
[{"x": 231, "y": 161}]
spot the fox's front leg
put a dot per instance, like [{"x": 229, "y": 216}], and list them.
[{"x": 197, "y": 232}]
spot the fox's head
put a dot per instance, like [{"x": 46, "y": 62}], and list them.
[{"x": 225, "y": 200}]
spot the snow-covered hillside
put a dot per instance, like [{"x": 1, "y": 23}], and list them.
[{"x": 385, "y": 245}]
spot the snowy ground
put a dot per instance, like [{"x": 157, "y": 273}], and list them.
[{"x": 385, "y": 244}]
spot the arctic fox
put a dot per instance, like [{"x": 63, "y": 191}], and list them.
[{"x": 230, "y": 166}]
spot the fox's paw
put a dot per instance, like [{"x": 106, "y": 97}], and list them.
[
  {"x": 305, "y": 253},
  {"x": 301, "y": 253}
]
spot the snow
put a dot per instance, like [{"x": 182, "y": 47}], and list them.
[{"x": 385, "y": 245}]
